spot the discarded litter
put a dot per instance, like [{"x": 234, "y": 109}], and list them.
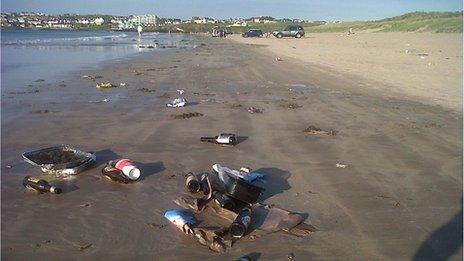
[
  {"x": 236, "y": 184},
  {"x": 146, "y": 90},
  {"x": 187, "y": 115},
  {"x": 230, "y": 197},
  {"x": 290, "y": 105},
  {"x": 122, "y": 84},
  {"x": 90, "y": 77},
  {"x": 193, "y": 183},
  {"x": 181, "y": 91},
  {"x": 223, "y": 139},
  {"x": 179, "y": 102},
  {"x": 253, "y": 110},
  {"x": 224, "y": 201},
  {"x": 127, "y": 167},
  {"x": 104, "y": 100},
  {"x": 62, "y": 159},
  {"x": 278, "y": 59},
  {"x": 39, "y": 185},
  {"x": 182, "y": 219},
  {"x": 313, "y": 130},
  {"x": 244, "y": 173},
  {"x": 239, "y": 227},
  {"x": 104, "y": 85},
  {"x": 114, "y": 174},
  {"x": 84, "y": 247},
  {"x": 339, "y": 165}
]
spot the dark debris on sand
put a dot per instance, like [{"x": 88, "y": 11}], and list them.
[{"x": 187, "y": 115}]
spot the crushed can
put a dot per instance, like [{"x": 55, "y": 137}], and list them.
[
  {"x": 115, "y": 174},
  {"x": 127, "y": 167}
]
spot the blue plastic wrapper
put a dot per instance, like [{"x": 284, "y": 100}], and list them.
[
  {"x": 180, "y": 218},
  {"x": 252, "y": 176}
]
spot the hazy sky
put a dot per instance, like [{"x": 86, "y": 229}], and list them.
[{"x": 306, "y": 9}]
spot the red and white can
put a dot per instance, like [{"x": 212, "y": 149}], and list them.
[{"x": 127, "y": 167}]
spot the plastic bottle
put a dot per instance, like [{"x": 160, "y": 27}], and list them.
[
  {"x": 181, "y": 219},
  {"x": 39, "y": 185},
  {"x": 127, "y": 167},
  {"x": 239, "y": 227}
]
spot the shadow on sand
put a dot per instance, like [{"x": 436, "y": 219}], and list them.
[
  {"x": 443, "y": 242},
  {"x": 276, "y": 181},
  {"x": 148, "y": 169},
  {"x": 103, "y": 156}
]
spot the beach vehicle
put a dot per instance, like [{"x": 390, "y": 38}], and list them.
[
  {"x": 253, "y": 33},
  {"x": 290, "y": 31}
]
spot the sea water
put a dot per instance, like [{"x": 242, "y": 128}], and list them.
[{"x": 29, "y": 55}]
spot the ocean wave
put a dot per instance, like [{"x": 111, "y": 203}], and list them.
[{"x": 65, "y": 40}]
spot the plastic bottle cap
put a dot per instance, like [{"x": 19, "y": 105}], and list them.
[{"x": 134, "y": 174}]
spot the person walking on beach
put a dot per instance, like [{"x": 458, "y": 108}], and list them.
[{"x": 139, "y": 30}]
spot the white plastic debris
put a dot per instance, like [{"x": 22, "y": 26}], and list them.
[
  {"x": 244, "y": 173},
  {"x": 100, "y": 101},
  {"x": 176, "y": 103},
  {"x": 122, "y": 84},
  {"x": 180, "y": 91},
  {"x": 339, "y": 165}
]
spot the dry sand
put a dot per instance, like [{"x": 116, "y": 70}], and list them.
[
  {"x": 399, "y": 197},
  {"x": 423, "y": 66}
]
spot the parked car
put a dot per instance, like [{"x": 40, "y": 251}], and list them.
[
  {"x": 253, "y": 33},
  {"x": 290, "y": 31}
]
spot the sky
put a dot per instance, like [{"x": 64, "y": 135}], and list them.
[{"x": 346, "y": 10}]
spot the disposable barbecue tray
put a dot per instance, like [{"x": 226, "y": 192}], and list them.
[{"x": 61, "y": 159}]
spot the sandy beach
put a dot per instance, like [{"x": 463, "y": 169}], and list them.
[
  {"x": 398, "y": 198},
  {"x": 425, "y": 67}
]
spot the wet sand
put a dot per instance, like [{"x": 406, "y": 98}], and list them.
[{"x": 399, "y": 198}]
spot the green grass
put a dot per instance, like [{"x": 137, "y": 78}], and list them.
[{"x": 436, "y": 22}]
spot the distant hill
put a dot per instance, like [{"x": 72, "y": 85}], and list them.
[{"x": 436, "y": 22}]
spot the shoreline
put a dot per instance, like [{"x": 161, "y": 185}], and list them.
[{"x": 402, "y": 182}]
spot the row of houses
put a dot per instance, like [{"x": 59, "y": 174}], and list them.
[{"x": 41, "y": 20}]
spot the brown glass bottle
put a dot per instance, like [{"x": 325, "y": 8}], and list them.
[
  {"x": 223, "y": 138},
  {"x": 224, "y": 201},
  {"x": 39, "y": 185},
  {"x": 239, "y": 227}
]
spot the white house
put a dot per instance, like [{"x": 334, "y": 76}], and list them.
[{"x": 98, "y": 21}]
